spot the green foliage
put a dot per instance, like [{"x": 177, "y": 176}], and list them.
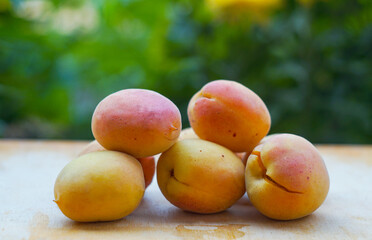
[{"x": 311, "y": 65}]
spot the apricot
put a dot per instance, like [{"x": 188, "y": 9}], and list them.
[
  {"x": 200, "y": 176},
  {"x": 229, "y": 114},
  {"x": 139, "y": 122},
  {"x": 99, "y": 186},
  {"x": 148, "y": 167},
  {"x": 263, "y": 140},
  {"x": 147, "y": 163},
  {"x": 93, "y": 146},
  {"x": 187, "y": 133},
  {"x": 243, "y": 156},
  {"x": 286, "y": 177}
]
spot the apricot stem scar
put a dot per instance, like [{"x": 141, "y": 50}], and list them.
[
  {"x": 207, "y": 96},
  {"x": 267, "y": 178}
]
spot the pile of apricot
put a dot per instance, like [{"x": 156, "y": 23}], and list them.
[{"x": 202, "y": 169}]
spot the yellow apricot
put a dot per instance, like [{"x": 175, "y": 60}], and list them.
[{"x": 100, "y": 186}]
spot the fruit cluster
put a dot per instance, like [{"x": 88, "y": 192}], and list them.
[{"x": 203, "y": 169}]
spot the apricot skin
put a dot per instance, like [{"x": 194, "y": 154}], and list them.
[
  {"x": 99, "y": 186},
  {"x": 229, "y": 114},
  {"x": 139, "y": 122},
  {"x": 187, "y": 133},
  {"x": 286, "y": 177},
  {"x": 147, "y": 163},
  {"x": 93, "y": 146},
  {"x": 148, "y": 166},
  {"x": 200, "y": 176}
]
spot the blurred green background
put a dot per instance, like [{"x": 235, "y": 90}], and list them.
[{"x": 310, "y": 61}]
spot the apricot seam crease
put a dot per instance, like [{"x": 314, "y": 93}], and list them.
[{"x": 270, "y": 180}]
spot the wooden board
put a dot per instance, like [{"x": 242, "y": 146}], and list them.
[{"x": 28, "y": 170}]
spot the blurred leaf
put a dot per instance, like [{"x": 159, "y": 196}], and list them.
[{"x": 311, "y": 63}]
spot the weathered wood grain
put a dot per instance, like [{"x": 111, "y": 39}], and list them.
[{"x": 28, "y": 170}]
